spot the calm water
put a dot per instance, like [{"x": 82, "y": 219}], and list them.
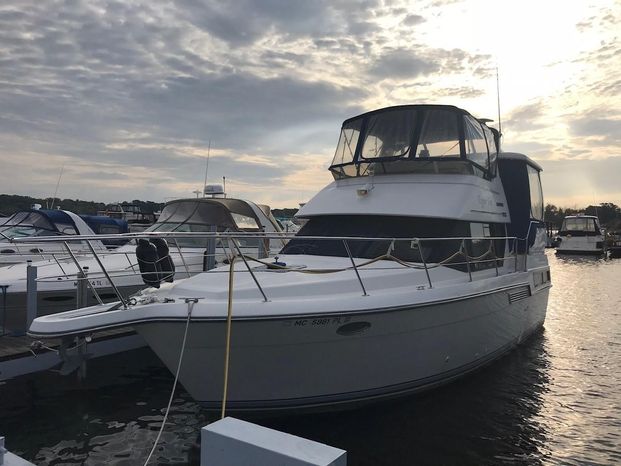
[{"x": 554, "y": 400}]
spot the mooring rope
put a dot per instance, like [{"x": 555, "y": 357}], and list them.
[
  {"x": 227, "y": 350},
  {"x": 191, "y": 302}
]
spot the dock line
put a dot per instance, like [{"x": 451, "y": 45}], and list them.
[{"x": 190, "y": 302}]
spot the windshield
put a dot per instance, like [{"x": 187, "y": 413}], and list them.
[
  {"x": 411, "y": 139},
  {"x": 578, "y": 224},
  {"x": 24, "y": 224},
  {"x": 389, "y": 135},
  {"x": 22, "y": 231}
]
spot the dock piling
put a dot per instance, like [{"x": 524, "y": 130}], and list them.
[
  {"x": 82, "y": 289},
  {"x": 31, "y": 294}
]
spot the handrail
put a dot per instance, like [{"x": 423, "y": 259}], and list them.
[
  {"x": 77, "y": 264},
  {"x": 460, "y": 258},
  {"x": 353, "y": 264},
  {"x": 228, "y": 235}
]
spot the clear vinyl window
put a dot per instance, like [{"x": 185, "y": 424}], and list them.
[{"x": 536, "y": 193}]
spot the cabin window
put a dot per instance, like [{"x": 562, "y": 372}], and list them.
[
  {"x": 536, "y": 194},
  {"x": 244, "y": 221},
  {"x": 388, "y": 135},
  {"x": 346, "y": 147},
  {"x": 109, "y": 229},
  {"x": 483, "y": 251},
  {"x": 476, "y": 148},
  {"x": 578, "y": 224},
  {"x": 66, "y": 229},
  {"x": 439, "y": 135},
  {"x": 493, "y": 150},
  {"x": 376, "y": 226}
]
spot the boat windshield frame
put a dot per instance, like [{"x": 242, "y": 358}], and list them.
[
  {"x": 32, "y": 223},
  {"x": 413, "y": 126}
]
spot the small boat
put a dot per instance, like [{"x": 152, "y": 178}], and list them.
[
  {"x": 57, "y": 282},
  {"x": 422, "y": 261},
  {"x": 131, "y": 213},
  {"x": 38, "y": 222},
  {"x": 581, "y": 234}
]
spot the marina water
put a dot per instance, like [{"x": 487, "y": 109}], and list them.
[{"x": 554, "y": 400}]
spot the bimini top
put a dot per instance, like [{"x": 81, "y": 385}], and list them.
[
  {"x": 201, "y": 214},
  {"x": 412, "y": 138},
  {"x": 43, "y": 222}
]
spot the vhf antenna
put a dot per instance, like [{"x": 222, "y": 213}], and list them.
[
  {"x": 206, "y": 167},
  {"x": 498, "y": 101}
]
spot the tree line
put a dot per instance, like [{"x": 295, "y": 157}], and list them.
[
  {"x": 609, "y": 214},
  {"x": 11, "y": 203}
]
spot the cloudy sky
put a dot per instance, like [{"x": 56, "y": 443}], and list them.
[{"x": 126, "y": 95}]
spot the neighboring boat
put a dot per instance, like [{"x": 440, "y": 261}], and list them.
[
  {"x": 57, "y": 282},
  {"x": 132, "y": 213},
  {"x": 581, "y": 234},
  {"x": 409, "y": 273},
  {"x": 103, "y": 225},
  {"x": 36, "y": 222}
]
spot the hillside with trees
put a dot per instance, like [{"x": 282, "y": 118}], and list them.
[{"x": 10, "y": 203}]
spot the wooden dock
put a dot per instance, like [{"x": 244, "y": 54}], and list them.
[{"x": 18, "y": 356}]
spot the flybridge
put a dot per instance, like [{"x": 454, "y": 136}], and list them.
[{"x": 415, "y": 138}]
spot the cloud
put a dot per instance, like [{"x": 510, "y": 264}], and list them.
[
  {"x": 601, "y": 128},
  {"x": 401, "y": 63},
  {"x": 412, "y": 20},
  {"x": 127, "y": 95},
  {"x": 526, "y": 117},
  {"x": 597, "y": 180}
]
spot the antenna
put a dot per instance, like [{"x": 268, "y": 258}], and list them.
[
  {"x": 57, "y": 184},
  {"x": 224, "y": 185},
  {"x": 206, "y": 167},
  {"x": 498, "y": 101}
]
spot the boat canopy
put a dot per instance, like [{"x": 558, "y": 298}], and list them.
[
  {"x": 411, "y": 138},
  {"x": 39, "y": 222},
  {"x": 203, "y": 213}
]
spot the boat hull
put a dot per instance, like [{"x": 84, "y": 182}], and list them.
[
  {"x": 584, "y": 245},
  {"x": 326, "y": 360},
  {"x": 13, "y": 310}
]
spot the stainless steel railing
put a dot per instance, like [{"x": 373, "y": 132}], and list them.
[{"x": 230, "y": 244}]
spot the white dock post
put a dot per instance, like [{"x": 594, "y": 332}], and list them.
[
  {"x": 82, "y": 289},
  {"x": 232, "y": 442},
  {"x": 31, "y": 294}
]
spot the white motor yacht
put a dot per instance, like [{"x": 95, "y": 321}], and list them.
[
  {"x": 37, "y": 222},
  {"x": 422, "y": 261},
  {"x": 57, "y": 282},
  {"x": 581, "y": 234}
]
